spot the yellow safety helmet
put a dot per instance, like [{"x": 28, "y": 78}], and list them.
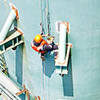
[{"x": 38, "y": 38}]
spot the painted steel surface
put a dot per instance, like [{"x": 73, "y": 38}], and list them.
[{"x": 25, "y": 65}]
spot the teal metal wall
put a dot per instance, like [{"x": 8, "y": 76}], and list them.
[{"x": 25, "y": 65}]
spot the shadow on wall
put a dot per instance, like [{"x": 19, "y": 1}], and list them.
[
  {"x": 20, "y": 53},
  {"x": 68, "y": 81},
  {"x": 48, "y": 65},
  {"x": 19, "y": 63}
]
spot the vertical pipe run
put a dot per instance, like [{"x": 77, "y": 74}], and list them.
[
  {"x": 7, "y": 25},
  {"x": 62, "y": 43}
]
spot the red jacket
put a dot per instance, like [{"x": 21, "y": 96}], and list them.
[{"x": 38, "y": 48}]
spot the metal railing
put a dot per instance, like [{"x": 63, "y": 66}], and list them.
[{"x": 8, "y": 93}]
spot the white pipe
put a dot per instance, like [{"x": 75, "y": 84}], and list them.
[
  {"x": 13, "y": 14},
  {"x": 62, "y": 43}
]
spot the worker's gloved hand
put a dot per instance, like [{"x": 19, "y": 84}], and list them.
[
  {"x": 40, "y": 48},
  {"x": 42, "y": 33},
  {"x": 50, "y": 39},
  {"x": 47, "y": 35}
]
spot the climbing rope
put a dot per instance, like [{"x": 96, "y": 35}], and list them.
[
  {"x": 43, "y": 79},
  {"x": 48, "y": 18},
  {"x": 42, "y": 30},
  {"x": 41, "y": 17}
]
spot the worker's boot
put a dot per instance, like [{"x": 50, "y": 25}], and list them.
[
  {"x": 62, "y": 75},
  {"x": 42, "y": 57}
]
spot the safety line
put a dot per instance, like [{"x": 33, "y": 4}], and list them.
[
  {"x": 41, "y": 17},
  {"x": 44, "y": 80}
]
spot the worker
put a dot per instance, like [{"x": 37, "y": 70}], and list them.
[{"x": 42, "y": 46}]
